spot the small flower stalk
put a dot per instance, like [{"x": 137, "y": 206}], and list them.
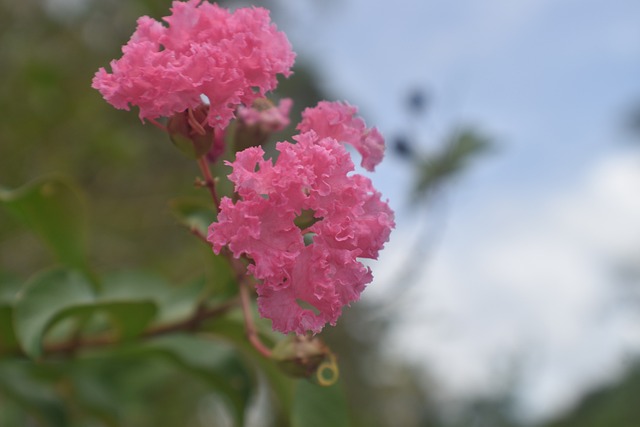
[{"x": 297, "y": 226}]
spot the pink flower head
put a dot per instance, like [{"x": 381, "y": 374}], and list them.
[
  {"x": 270, "y": 118},
  {"x": 303, "y": 286},
  {"x": 231, "y": 58},
  {"x": 338, "y": 120}
]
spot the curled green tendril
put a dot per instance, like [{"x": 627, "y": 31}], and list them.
[{"x": 329, "y": 367}]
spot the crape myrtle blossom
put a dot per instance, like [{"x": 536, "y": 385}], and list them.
[
  {"x": 303, "y": 219},
  {"x": 338, "y": 120},
  {"x": 303, "y": 285},
  {"x": 232, "y": 58}
]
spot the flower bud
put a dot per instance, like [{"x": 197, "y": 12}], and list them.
[
  {"x": 190, "y": 132},
  {"x": 258, "y": 122}
]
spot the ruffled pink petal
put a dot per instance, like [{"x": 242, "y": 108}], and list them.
[{"x": 338, "y": 120}]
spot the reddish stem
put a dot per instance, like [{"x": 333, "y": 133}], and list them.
[
  {"x": 199, "y": 235},
  {"x": 208, "y": 181},
  {"x": 238, "y": 266},
  {"x": 250, "y": 327},
  {"x": 190, "y": 324},
  {"x": 158, "y": 125},
  {"x": 245, "y": 298}
]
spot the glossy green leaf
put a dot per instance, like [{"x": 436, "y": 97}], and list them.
[
  {"x": 52, "y": 209},
  {"x": 41, "y": 301},
  {"x": 97, "y": 396},
  {"x": 174, "y": 303},
  {"x": 8, "y": 339},
  {"x": 231, "y": 327},
  {"x": 317, "y": 406},
  {"x": 9, "y": 287},
  {"x": 182, "y": 301},
  {"x": 128, "y": 318},
  {"x": 59, "y": 295},
  {"x": 193, "y": 213},
  {"x": 37, "y": 398},
  {"x": 133, "y": 284},
  {"x": 213, "y": 360},
  {"x": 220, "y": 275},
  {"x": 197, "y": 215}
]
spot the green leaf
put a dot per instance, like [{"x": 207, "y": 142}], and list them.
[
  {"x": 193, "y": 213},
  {"x": 20, "y": 384},
  {"x": 174, "y": 303},
  {"x": 182, "y": 301},
  {"x": 220, "y": 275},
  {"x": 52, "y": 209},
  {"x": 231, "y": 327},
  {"x": 197, "y": 215},
  {"x": 9, "y": 287},
  {"x": 8, "y": 339},
  {"x": 96, "y": 395},
  {"x": 128, "y": 318},
  {"x": 317, "y": 406},
  {"x": 41, "y": 301},
  {"x": 213, "y": 360},
  {"x": 130, "y": 299},
  {"x": 128, "y": 285}
]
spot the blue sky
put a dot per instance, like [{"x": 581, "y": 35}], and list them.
[{"x": 522, "y": 270}]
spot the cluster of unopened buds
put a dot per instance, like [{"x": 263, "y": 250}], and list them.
[{"x": 297, "y": 223}]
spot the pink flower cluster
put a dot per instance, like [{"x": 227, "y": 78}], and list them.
[
  {"x": 304, "y": 220},
  {"x": 303, "y": 286},
  {"x": 338, "y": 120},
  {"x": 231, "y": 58}
]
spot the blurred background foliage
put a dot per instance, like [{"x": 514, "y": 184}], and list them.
[{"x": 120, "y": 178}]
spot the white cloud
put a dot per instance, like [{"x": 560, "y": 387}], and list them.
[{"x": 529, "y": 277}]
